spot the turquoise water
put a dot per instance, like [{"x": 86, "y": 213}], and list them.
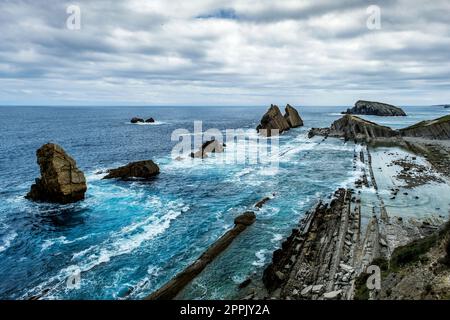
[{"x": 128, "y": 238}]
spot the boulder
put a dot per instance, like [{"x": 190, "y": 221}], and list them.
[
  {"x": 292, "y": 117},
  {"x": 245, "y": 219},
  {"x": 150, "y": 120},
  {"x": 430, "y": 129},
  {"x": 211, "y": 146},
  {"x": 273, "y": 122},
  {"x": 137, "y": 120},
  {"x": 141, "y": 169},
  {"x": 61, "y": 181},
  {"x": 375, "y": 108}
]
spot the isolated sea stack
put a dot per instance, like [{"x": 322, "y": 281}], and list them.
[
  {"x": 146, "y": 169},
  {"x": 61, "y": 181},
  {"x": 375, "y": 109},
  {"x": 273, "y": 121}
]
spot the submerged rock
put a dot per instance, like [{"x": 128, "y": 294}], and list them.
[
  {"x": 293, "y": 118},
  {"x": 432, "y": 129},
  {"x": 273, "y": 122},
  {"x": 171, "y": 289},
  {"x": 141, "y": 169},
  {"x": 375, "y": 108},
  {"x": 61, "y": 181},
  {"x": 137, "y": 120}
]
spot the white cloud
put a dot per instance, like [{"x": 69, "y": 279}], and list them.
[{"x": 223, "y": 52}]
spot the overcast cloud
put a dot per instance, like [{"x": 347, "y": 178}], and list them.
[{"x": 224, "y": 52}]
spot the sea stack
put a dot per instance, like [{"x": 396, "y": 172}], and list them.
[
  {"x": 61, "y": 181},
  {"x": 292, "y": 117},
  {"x": 139, "y": 170},
  {"x": 274, "y": 122},
  {"x": 375, "y": 109}
]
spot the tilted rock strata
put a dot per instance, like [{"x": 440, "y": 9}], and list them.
[
  {"x": 431, "y": 129},
  {"x": 293, "y": 118},
  {"x": 174, "y": 286},
  {"x": 273, "y": 122}
]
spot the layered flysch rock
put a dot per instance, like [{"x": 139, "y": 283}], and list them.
[
  {"x": 354, "y": 128},
  {"x": 375, "y": 108},
  {"x": 431, "y": 129},
  {"x": 293, "y": 118},
  {"x": 273, "y": 122},
  {"x": 141, "y": 170},
  {"x": 61, "y": 181},
  {"x": 171, "y": 289}
]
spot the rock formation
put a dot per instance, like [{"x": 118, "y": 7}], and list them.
[
  {"x": 61, "y": 181},
  {"x": 375, "y": 109},
  {"x": 141, "y": 169},
  {"x": 174, "y": 286},
  {"x": 293, "y": 118},
  {"x": 354, "y": 128},
  {"x": 137, "y": 120},
  {"x": 211, "y": 146},
  {"x": 273, "y": 122},
  {"x": 150, "y": 120},
  {"x": 431, "y": 129}
]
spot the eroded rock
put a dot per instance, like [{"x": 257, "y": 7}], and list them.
[{"x": 61, "y": 181}]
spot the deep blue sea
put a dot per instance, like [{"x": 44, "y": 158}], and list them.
[{"x": 126, "y": 239}]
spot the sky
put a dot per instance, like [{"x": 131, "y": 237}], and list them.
[{"x": 224, "y": 52}]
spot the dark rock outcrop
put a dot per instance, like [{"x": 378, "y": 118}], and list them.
[
  {"x": 438, "y": 129},
  {"x": 174, "y": 286},
  {"x": 355, "y": 128},
  {"x": 150, "y": 120},
  {"x": 292, "y": 117},
  {"x": 61, "y": 181},
  {"x": 211, "y": 146},
  {"x": 375, "y": 108},
  {"x": 273, "y": 122},
  {"x": 141, "y": 169},
  {"x": 137, "y": 120}
]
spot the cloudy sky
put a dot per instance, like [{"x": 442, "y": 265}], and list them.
[{"x": 224, "y": 52}]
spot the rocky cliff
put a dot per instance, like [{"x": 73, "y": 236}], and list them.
[
  {"x": 375, "y": 109},
  {"x": 431, "y": 129},
  {"x": 355, "y": 128},
  {"x": 61, "y": 181}
]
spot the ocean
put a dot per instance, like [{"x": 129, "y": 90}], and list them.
[{"x": 126, "y": 239}]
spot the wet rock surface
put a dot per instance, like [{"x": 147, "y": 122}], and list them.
[
  {"x": 174, "y": 286},
  {"x": 273, "y": 122},
  {"x": 61, "y": 181},
  {"x": 146, "y": 169},
  {"x": 211, "y": 146}
]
